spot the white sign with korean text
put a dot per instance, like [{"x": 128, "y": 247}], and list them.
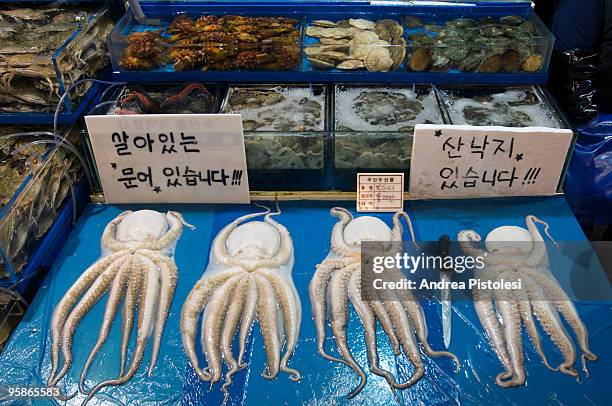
[
  {"x": 170, "y": 158},
  {"x": 380, "y": 192},
  {"x": 467, "y": 162}
]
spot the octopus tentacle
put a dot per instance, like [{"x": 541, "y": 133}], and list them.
[
  {"x": 525, "y": 311},
  {"x": 212, "y": 323},
  {"x": 338, "y": 288},
  {"x": 168, "y": 277},
  {"x": 399, "y": 318},
  {"x": 60, "y": 314},
  {"x": 117, "y": 291},
  {"x": 89, "y": 299},
  {"x": 268, "y": 323},
  {"x": 483, "y": 305},
  {"x": 385, "y": 321},
  {"x": 108, "y": 235},
  {"x": 248, "y": 315},
  {"x": 417, "y": 319},
  {"x": 565, "y": 306},
  {"x": 285, "y": 249},
  {"x": 549, "y": 319},
  {"x": 338, "y": 244},
  {"x": 193, "y": 306},
  {"x": 132, "y": 296},
  {"x": 512, "y": 334},
  {"x": 176, "y": 228},
  {"x": 369, "y": 325},
  {"x": 234, "y": 311},
  {"x": 291, "y": 318},
  {"x": 318, "y": 295},
  {"x": 146, "y": 318}
]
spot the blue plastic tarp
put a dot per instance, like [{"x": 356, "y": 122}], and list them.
[{"x": 26, "y": 359}]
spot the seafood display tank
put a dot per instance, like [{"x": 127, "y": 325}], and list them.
[
  {"x": 46, "y": 50},
  {"x": 333, "y": 42},
  {"x": 318, "y": 137},
  {"x": 36, "y": 180}
]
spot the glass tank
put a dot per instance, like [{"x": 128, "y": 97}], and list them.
[
  {"x": 35, "y": 181},
  {"x": 43, "y": 51},
  {"x": 284, "y": 134}
]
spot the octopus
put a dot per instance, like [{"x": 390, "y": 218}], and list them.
[
  {"x": 248, "y": 279},
  {"x": 541, "y": 296},
  {"x": 337, "y": 281},
  {"x": 137, "y": 267}
]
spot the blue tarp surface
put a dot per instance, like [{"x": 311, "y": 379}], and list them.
[{"x": 26, "y": 359}]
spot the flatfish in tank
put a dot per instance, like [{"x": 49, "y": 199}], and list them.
[
  {"x": 513, "y": 107},
  {"x": 281, "y": 125}
]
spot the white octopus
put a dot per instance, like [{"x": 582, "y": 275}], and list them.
[
  {"x": 337, "y": 280},
  {"x": 541, "y": 296},
  {"x": 248, "y": 278},
  {"x": 137, "y": 266}
]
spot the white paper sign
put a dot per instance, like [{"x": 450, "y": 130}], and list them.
[
  {"x": 380, "y": 192},
  {"x": 170, "y": 158},
  {"x": 467, "y": 162}
]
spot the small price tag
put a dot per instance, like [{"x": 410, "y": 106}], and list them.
[
  {"x": 170, "y": 158},
  {"x": 471, "y": 162},
  {"x": 380, "y": 192}
]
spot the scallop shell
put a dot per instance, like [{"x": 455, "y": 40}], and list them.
[
  {"x": 334, "y": 41},
  {"x": 397, "y": 51},
  {"x": 378, "y": 60},
  {"x": 320, "y": 32},
  {"x": 351, "y": 64},
  {"x": 364, "y": 37},
  {"x": 312, "y": 50},
  {"x": 320, "y": 64},
  {"x": 362, "y": 23},
  {"x": 324, "y": 23},
  {"x": 332, "y": 56}
]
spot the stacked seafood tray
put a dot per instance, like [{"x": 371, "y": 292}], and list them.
[
  {"x": 44, "y": 50},
  {"x": 318, "y": 137},
  {"x": 36, "y": 178},
  {"x": 410, "y": 42}
]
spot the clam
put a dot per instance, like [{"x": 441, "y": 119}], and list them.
[
  {"x": 378, "y": 60},
  {"x": 351, "y": 64},
  {"x": 362, "y": 24}
]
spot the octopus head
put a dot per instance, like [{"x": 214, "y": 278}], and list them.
[
  {"x": 142, "y": 225},
  {"x": 509, "y": 240},
  {"x": 253, "y": 241},
  {"x": 366, "y": 228}
]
